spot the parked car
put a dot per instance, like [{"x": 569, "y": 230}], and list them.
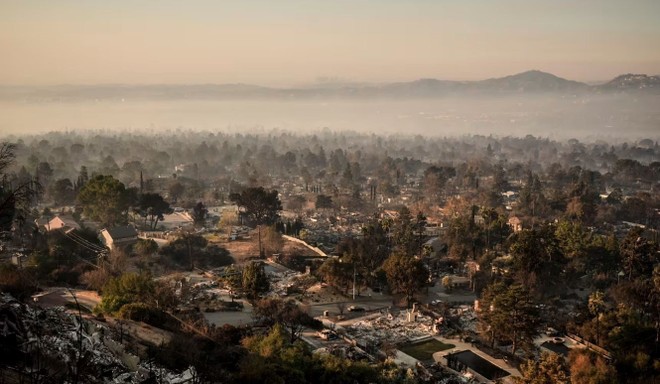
[
  {"x": 327, "y": 334},
  {"x": 354, "y": 308}
]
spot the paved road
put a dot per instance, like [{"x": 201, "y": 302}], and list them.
[
  {"x": 57, "y": 296},
  {"x": 235, "y": 318},
  {"x": 373, "y": 303}
]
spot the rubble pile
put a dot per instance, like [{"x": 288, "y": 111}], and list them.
[
  {"x": 58, "y": 336},
  {"x": 281, "y": 283},
  {"x": 60, "y": 345},
  {"x": 466, "y": 318},
  {"x": 349, "y": 352},
  {"x": 396, "y": 329}
]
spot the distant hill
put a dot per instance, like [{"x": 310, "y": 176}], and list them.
[
  {"x": 629, "y": 82},
  {"x": 532, "y": 81},
  {"x": 528, "y": 82}
]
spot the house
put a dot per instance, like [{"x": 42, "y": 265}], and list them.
[
  {"x": 119, "y": 237},
  {"x": 63, "y": 222},
  {"x": 434, "y": 247},
  {"x": 515, "y": 223},
  {"x": 502, "y": 265}
]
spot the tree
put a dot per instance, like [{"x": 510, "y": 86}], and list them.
[
  {"x": 537, "y": 259},
  {"x": 153, "y": 207},
  {"x": 405, "y": 274},
  {"x": 336, "y": 273},
  {"x": 96, "y": 279},
  {"x": 509, "y": 314},
  {"x": 83, "y": 178},
  {"x": 284, "y": 312},
  {"x": 531, "y": 200},
  {"x": 176, "y": 190},
  {"x": 549, "y": 369},
  {"x": 403, "y": 236},
  {"x": 270, "y": 345},
  {"x": 435, "y": 179},
  {"x": 126, "y": 289},
  {"x": 367, "y": 253},
  {"x": 146, "y": 247},
  {"x": 637, "y": 254},
  {"x": 105, "y": 199},
  {"x": 44, "y": 173},
  {"x": 255, "y": 281},
  {"x": 587, "y": 367},
  {"x": 259, "y": 206},
  {"x": 272, "y": 240},
  {"x": 18, "y": 282},
  {"x": 596, "y": 305},
  {"x": 14, "y": 197},
  {"x": 199, "y": 213},
  {"x": 228, "y": 220},
  {"x": 187, "y": 249},
  {"x": 62, "y": 192},
  {"x": 324, "y": 201}
]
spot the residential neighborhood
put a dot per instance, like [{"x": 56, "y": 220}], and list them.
[{"x": 467, "y": 269}]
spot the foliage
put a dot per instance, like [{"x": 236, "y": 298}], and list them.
[
  {"x": 405, "y": 274},
  {"x": 62, "y": 192},
  {"x": 549, "y": 369},
  {"x": 587, "y": 367},
  {"x": 272, "y": 240},
  {"x": 15, "y": 198},
  {"x": 365, "y": 254},
  {"x": 199, "y": 213},
  {"x": 508, "y": 313},
  {"x": 403, "y": 233},
  {"x": 258, "y": 205},
  {"x": 336, "y": 273},
  {"x": 145, "y": 247},
  {"x": 153, "y": 207},
  {"x": 285, "y": 312},
  {"x": 435, "y": 179},
  {"x": 95, "y": 279},
  {"x": 537, "y": 258},
  {"x": 176, "y": 190},
  {"x": 254, "y": 280},
  {"x": 129, "y": 288},
  {"x": 596, "y": 305},
  {"x": 532, "y": 201},
  {"x": 144, "y": 313},
  {"x": 638, "y": 255},
  {"x": 20, "y": 283},
  {"x": 106, "y": 200}
]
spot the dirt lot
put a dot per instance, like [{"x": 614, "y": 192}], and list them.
[
  {"x": 143, "y": 332},
  {"x": 243, "y": 250}
]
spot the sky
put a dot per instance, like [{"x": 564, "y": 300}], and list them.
[{"x": 296, "y": 42}]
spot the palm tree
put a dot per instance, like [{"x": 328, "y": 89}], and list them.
[{"x": 596, "y": 306}]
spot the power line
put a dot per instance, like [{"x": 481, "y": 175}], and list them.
[{"x": 82, "y": 239}]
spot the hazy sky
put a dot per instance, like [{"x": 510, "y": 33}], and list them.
[{"x": 289, "y": 42}]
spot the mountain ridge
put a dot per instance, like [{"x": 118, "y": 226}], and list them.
[{"x": 531, "y": 81}]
